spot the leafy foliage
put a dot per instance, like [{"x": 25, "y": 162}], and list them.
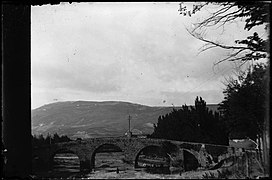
[
  {"x": 254, "y": 13},
  {"x": 40, "y": 140},
  {"x": 194, "y": 124},
  {"x": 243, "y": 106}
]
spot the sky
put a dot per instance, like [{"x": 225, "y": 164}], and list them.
[{"x": 134, "y": 52}]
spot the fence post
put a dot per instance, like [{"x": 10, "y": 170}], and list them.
[{"x": 247, "y": 164}]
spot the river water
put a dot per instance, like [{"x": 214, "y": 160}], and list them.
[{"x": 107, "y": 165}]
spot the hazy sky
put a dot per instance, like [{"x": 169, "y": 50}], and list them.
[{"x": 136, "y": 52}]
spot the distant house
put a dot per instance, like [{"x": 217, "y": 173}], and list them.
[{"x": 136, "y": 133}]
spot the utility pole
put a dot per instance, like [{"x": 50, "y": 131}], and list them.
[
  {"x": 129, "y": 123},
  {"x": 129, "y": 132}
]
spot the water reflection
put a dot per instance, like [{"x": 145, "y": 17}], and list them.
[
  {"x": 110, "y": 160},
  {"x": 66, "y": 162},
  {"x": 67, "y": 165}
]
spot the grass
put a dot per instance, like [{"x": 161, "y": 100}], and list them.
[{"x": 209, "y": 176}]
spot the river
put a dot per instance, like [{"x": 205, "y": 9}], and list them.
[{"x": 107, "y": 165}]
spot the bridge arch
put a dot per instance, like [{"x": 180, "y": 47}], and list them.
[
  {"x": 190, "y": 160},
  {"x": 112, "y": 146},
  {"x": 83, "y": 163},
  {"x": 72, "y": 163},
  {"x": 153, "y": 150},
  {"x": 63, "y": 151},
  {"x": 104, "y": 147}
]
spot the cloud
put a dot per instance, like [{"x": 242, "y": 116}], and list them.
[
  {"x": 98, "y": 78},
  {"x": 137, "y": 52}
]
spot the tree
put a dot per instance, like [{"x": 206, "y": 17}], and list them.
[
  {"x": 252, "y": 48},
  {"x": 192, "y": 124},
  {"x": 254, "y": 14},
  {"x": 48, "y": 139},
  {"x": 56, "y": 138},
  {"x": 40, "y": 140},
  {"x": 243, "y": 106}
]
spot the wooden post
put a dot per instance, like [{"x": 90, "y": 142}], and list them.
[{"x": 247, "y": 164}]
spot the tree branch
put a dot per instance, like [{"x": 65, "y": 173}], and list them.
[
  {"x": 217, "y": 44},
  {"x": 251, "y": 48},
  {"x": 217, "y": 18}
]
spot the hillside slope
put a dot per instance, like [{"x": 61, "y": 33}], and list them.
[{"x": 95, "y": 119}]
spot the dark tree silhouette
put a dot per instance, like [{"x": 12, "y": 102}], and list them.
[
  {"x": 40, "y": 140},
  {"x": 192, "y": 124},
  {"x": 243, "y": 106}
]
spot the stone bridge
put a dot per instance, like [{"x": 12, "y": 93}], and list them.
[{"x": 131, "y": 147}]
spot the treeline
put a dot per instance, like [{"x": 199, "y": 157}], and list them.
[
  {"x": 192, "y": 124},
  {"x": 243, "y": 113},
  {"x": 40, "y": 140}
]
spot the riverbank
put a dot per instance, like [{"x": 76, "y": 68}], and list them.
[{"x": 141, "y": 174}]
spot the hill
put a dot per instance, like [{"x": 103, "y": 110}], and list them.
[{"x": 87, "y": 119}]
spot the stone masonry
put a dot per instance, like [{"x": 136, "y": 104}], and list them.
[{"x": 131, "y": 147}]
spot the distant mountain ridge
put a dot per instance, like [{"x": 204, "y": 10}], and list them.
[{"x": 86, "y": 119}]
